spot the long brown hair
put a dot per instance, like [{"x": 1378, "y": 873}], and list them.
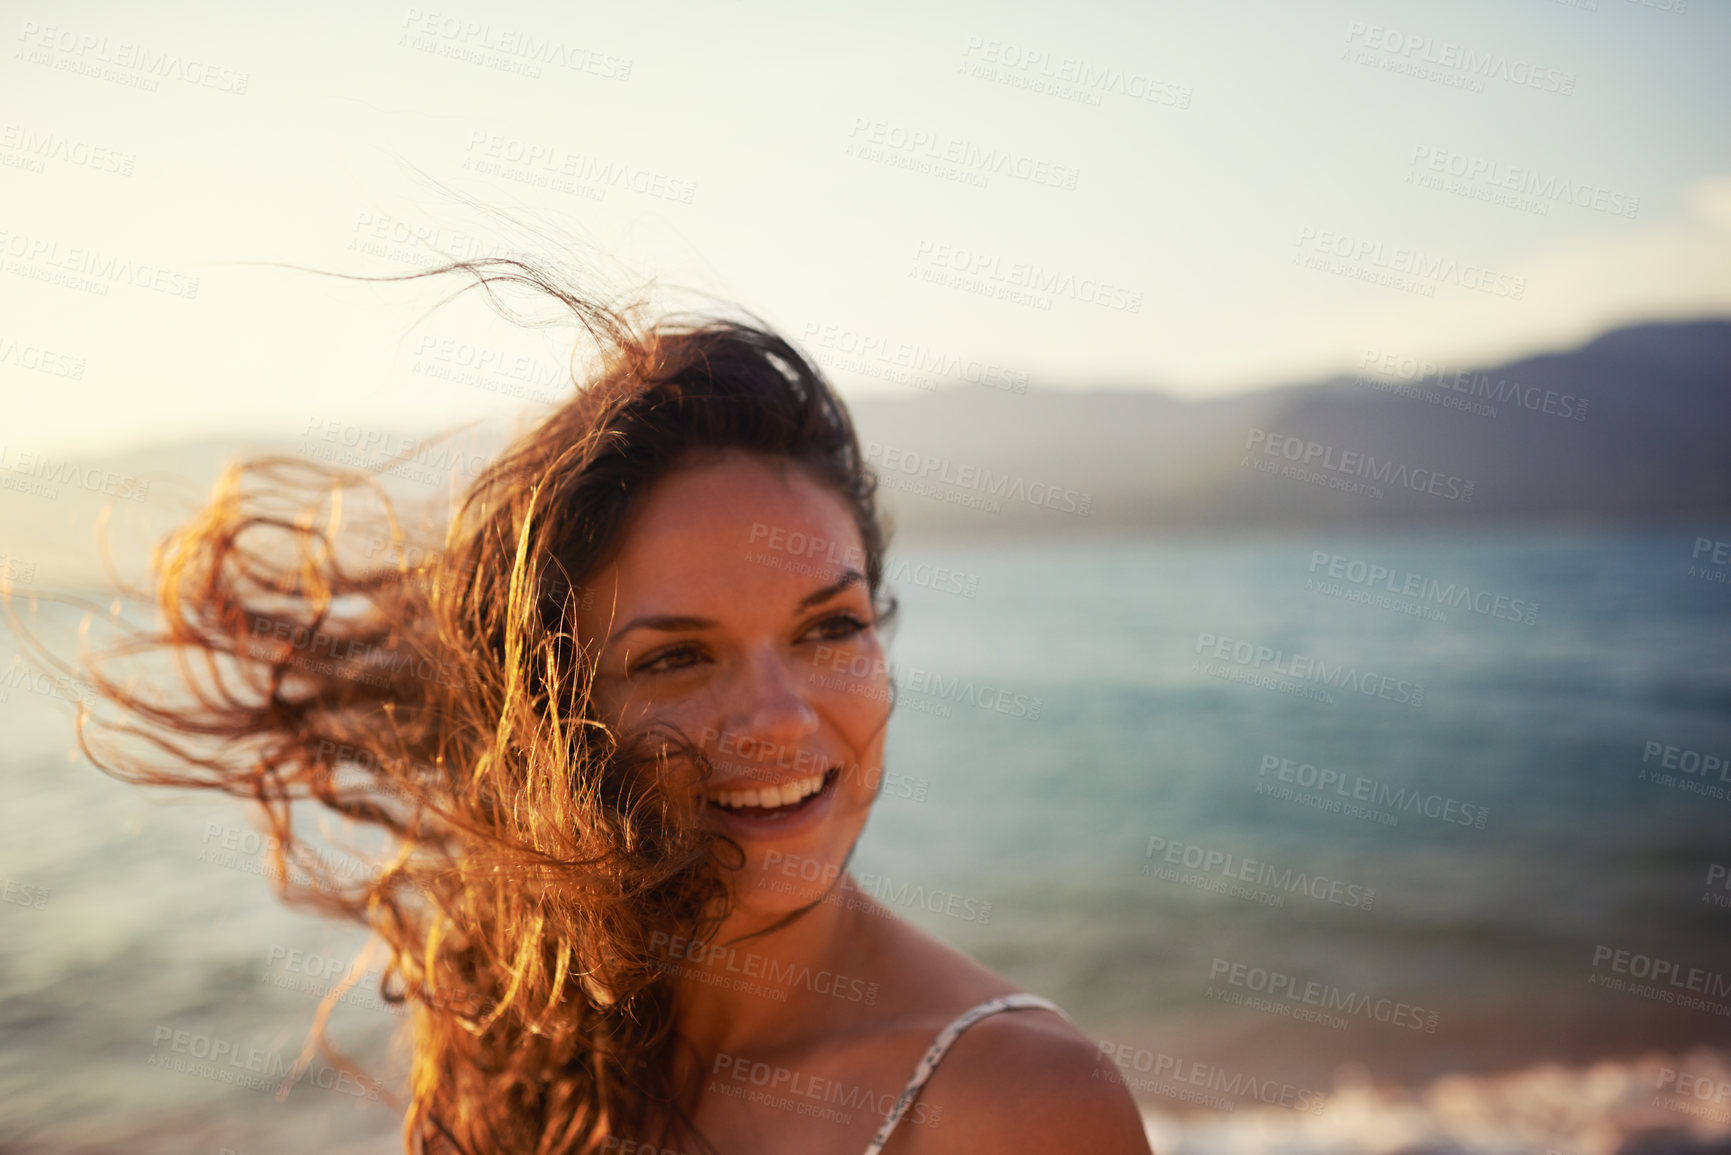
[{"x": 536, "y": 853}]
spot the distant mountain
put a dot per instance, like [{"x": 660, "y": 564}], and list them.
[{"x": 1634, "y": 425}]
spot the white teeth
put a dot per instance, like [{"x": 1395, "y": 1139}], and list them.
[{"x": 785, "y": 794}]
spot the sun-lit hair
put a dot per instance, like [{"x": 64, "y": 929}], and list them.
[{"x": 535, "y": 854}]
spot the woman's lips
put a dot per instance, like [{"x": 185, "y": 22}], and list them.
[
  {"x": 770, "y": 797},
  {"x": 783, "y": 819}
]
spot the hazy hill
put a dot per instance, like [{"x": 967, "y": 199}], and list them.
[{"x": 1651, "y": 440}]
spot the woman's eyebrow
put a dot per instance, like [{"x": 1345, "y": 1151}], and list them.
[
  {"x": 671, "y": 622},
  {"x": 663, "y": 622},
  {"x": 848, "y": 578}
]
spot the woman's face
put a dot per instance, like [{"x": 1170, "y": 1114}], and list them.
[{"x": 737, "y": 611}]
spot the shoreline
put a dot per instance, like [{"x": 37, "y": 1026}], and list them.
[
  {"x": 1658, "y": 1101},
  {"x": 1489, "y": 1038}
]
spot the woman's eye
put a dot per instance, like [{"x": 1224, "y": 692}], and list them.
[
  {"x": 830, "y": 629},
  {"x": 678, "y": 658},
  {"x": 839, "y": 626}
]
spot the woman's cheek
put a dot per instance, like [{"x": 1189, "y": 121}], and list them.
[
  {"x": 860, "y": 718},
  {"x": 642, "y": 704},
  {"x": 855, "y": 669},
  {"x": 872, "y": 692}
]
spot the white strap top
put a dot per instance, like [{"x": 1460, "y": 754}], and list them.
[{"x": 941, "y": 1045}]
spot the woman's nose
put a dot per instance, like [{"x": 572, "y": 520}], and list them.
[{"x": 770, "y": 704}]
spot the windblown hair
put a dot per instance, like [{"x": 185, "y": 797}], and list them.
[{"x": 535, "y": 853}]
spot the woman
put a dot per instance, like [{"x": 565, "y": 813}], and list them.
[{"x": 624, "y": 735}]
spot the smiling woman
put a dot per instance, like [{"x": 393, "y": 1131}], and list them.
[{"x": 623, "y": 753}]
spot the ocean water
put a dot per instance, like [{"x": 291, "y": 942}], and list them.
[{"x": 1439, "y": 856}]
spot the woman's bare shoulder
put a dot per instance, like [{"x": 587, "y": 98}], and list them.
[
  {"x": 1026, "y": 1081},
  {"x": 1019, "y": 1080}
]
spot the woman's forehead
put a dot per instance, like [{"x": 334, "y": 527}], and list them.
[
  {"x": 740, "y": 525},
  {"x": 733, "y": 503}
]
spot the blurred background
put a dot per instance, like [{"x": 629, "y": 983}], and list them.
[{"x": 1314, "y": 417}]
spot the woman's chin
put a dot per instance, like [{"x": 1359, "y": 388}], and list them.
[{"x": 766, "y": 893}]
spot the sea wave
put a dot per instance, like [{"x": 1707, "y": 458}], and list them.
[{"x": 1657, "y": 1102}]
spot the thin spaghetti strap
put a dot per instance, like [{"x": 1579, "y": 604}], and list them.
[{"x": 940, "y": 1046}]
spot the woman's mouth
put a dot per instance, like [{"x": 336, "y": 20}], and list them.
[{"x": 776, "y": 802}]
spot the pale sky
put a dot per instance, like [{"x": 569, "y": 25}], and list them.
[{"x": 822, "y": 166}]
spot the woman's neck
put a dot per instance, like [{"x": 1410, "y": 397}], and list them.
[{"x": 743, "y": 992}]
